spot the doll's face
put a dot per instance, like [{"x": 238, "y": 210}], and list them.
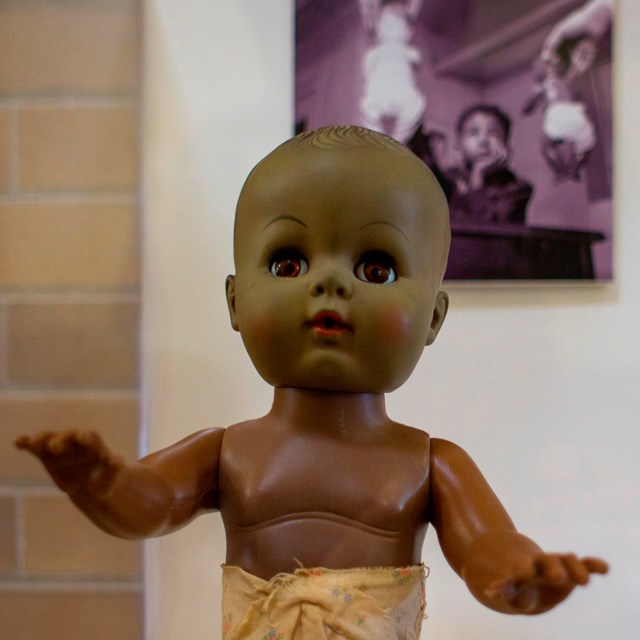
[{"x": 339, "y": 258}]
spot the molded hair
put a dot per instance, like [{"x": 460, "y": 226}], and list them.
[
  {"x": 348, "y": 136},
  {"x": 337, "y": 137},
  {"x": 489, "y": 109}
]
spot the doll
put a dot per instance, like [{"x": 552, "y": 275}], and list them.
[
  {"x": 391, "y": 102},
  {"x": 568, "y": 132},
  {"x": 340, "y": 245},
  {"x": 569, "y": 51}
]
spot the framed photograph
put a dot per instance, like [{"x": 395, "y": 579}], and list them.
[{"x": 509, "y": 102}]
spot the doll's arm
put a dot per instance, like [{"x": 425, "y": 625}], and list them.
[
  {"x": 158, "y": 494},
  {"x": 503, "y": 569}
]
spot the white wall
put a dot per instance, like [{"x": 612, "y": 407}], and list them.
[{"x": 541, "y": 385}]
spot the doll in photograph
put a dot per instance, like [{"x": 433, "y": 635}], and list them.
[
  {"x": 567, "y": 54},
  {"x": 341, "y": 240},
  {"x": 391, "y": 103}
]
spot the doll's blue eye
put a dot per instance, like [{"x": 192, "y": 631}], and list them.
[
  {"x": 376, "y": 268},
  {"x": 288, "y": 264}
]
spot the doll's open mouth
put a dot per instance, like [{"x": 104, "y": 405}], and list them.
[{"x": 328, "y": 323}]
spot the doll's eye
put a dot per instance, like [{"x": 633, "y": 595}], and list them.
[
  {"x": 377, "y": 268},
  {"x": 288, "y": 263}
]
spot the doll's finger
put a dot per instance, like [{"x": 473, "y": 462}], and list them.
[
  {"x": 36, "y": 444},
  {"x": 23, "y": 442},
  {"x": 75, "y": 443},
  {"x": 63, "y": 443},
  {"x": 576, "y": 568},
  {"x": 91, "y": 441},
  {"x": 551, "y": 569},
  {"x": 595, "y": 565}
]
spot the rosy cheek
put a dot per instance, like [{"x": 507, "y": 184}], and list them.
[
  {"x": 394, "y": 327},
  {"x": 261, "y": 325}
]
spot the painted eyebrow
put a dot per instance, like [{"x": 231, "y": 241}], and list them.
[
  {"x": 388, "y": 224},
  {"x": 284, "y": 217}
]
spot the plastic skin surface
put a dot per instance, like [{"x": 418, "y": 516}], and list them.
[{"x": 341, "y": 241}]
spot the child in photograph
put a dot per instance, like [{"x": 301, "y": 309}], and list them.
[
  {"x": 485, "y": 188},
  {"x": 340, "y": 245}
]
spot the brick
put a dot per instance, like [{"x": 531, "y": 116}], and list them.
[
  {"x": 78, "y": 47},
  {"x": 85, "y": 345},
  {"x": 71, "y": 615},
  {"x": 59, "y": 539},
  {"x": 8, "y": 561},
  {"x": 115, "y": 419},
  {"x": 68, "y": 245},
  {"x": 78, "y": 149},
  {"x": 5, "y": 150}
]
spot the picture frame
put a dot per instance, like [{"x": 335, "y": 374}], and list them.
[{"x": 427, "y": 72}]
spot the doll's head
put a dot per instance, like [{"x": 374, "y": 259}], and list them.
[
  {"x": 394, "y": 25},
  {"x": 341, "y": 241}
]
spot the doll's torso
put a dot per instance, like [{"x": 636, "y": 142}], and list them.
[{"x": 291, "y": 496}]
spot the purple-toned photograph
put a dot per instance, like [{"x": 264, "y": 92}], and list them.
[{"x": 509, "y": 102}]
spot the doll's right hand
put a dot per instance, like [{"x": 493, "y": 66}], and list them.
[{"x": 78, "y": 461}]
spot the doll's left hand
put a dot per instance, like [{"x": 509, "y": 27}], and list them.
[{"x": 542, "y": 582}]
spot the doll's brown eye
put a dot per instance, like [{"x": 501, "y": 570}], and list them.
[
  {"x": 288, "y": 264},
  {"x": 377, "y": 269}
]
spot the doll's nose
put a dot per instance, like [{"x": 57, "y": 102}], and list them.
[{"x": 331, "y": 282}]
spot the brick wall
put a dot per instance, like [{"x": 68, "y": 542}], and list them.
[{"x": 69, "y": 293}]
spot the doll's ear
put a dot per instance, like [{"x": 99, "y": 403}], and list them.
[
  {"x": 439, "y": 312},
  {"x": 230, "y": 285}
]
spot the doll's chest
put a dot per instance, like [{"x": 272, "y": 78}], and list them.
[{"x": 383, "y": 484}]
